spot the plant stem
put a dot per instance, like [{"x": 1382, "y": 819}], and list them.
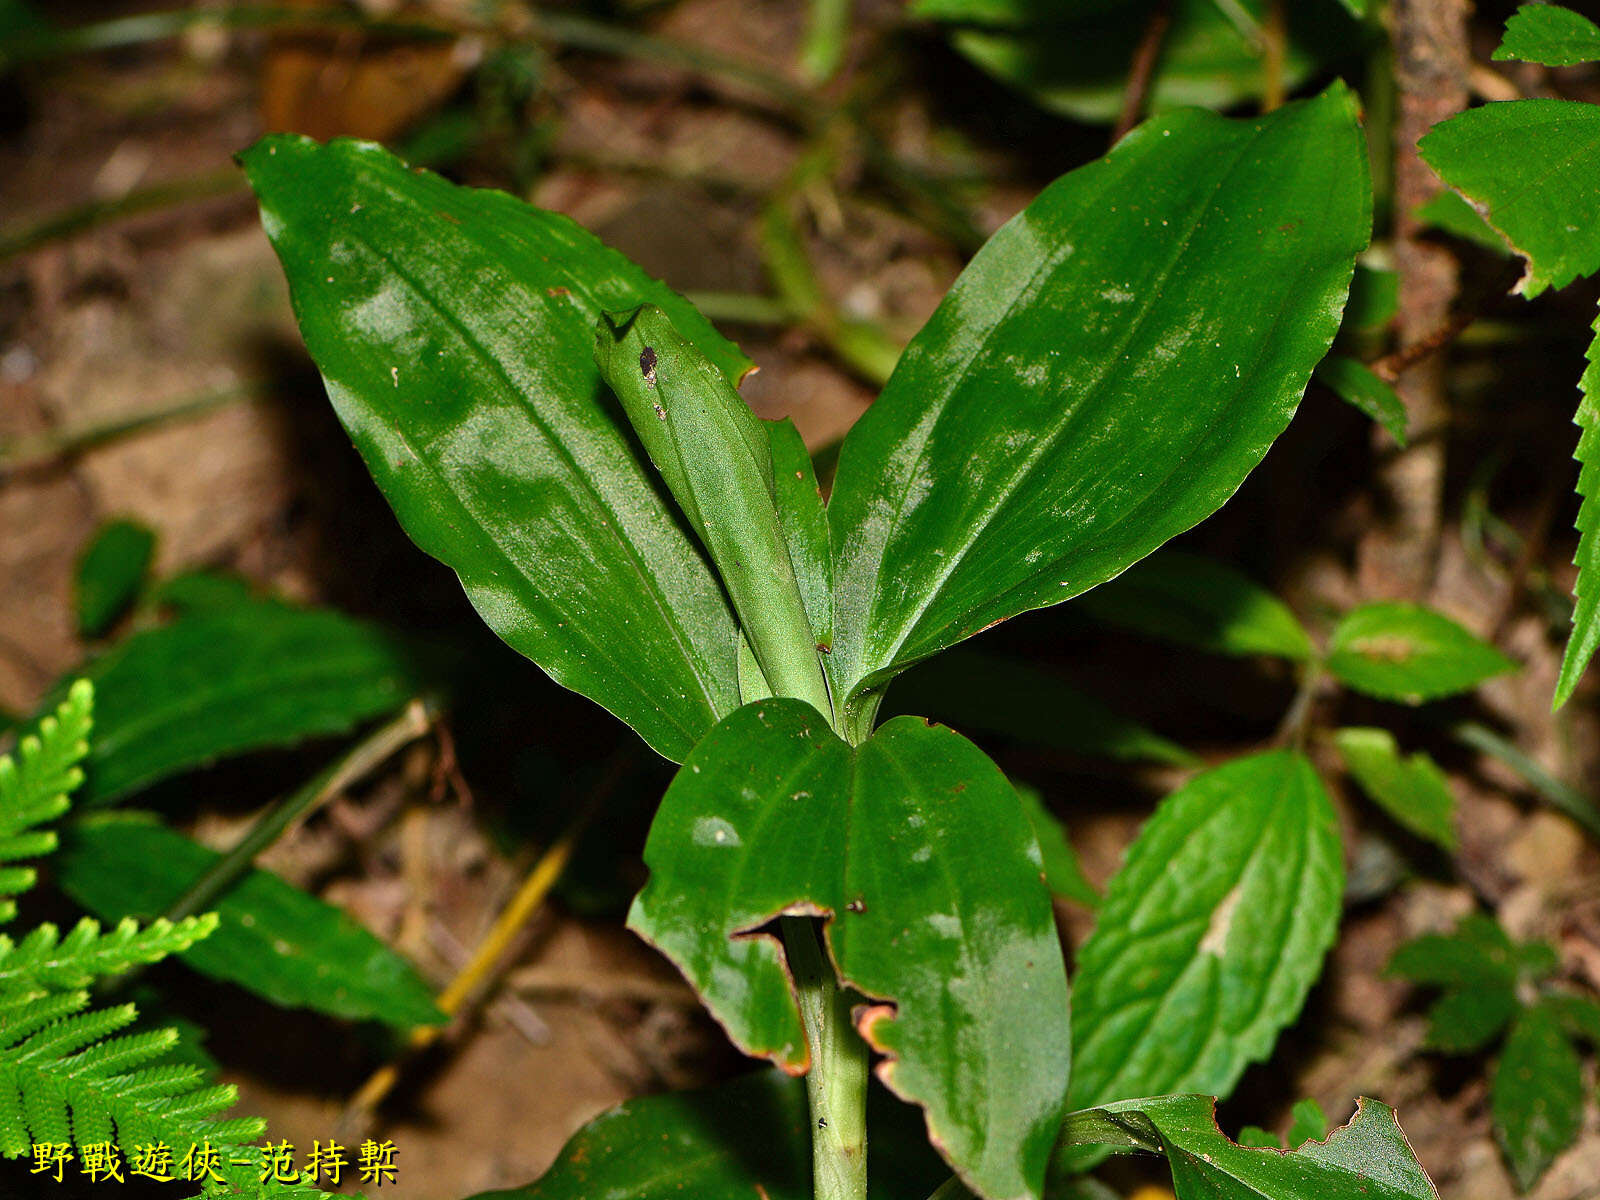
[{"x": 836, "y": 1085}]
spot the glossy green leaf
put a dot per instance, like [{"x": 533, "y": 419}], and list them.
[
  {"x": 1586, "y": 594},
  {"x": 1358, "y": 386},
  {"x": 1102, "y": 376},
  {"x": 1537, "y": 1094},
  {"x": 741, "y": 1141},
  {"x": 1532, "y": 168},
  {"x": 110, "y": 574},
  {"x": 1408, "y": 653},
  {"x": 772, "y": 814},
  {"x": 1073, "y": 59},
  {"x": 716, "y": 461},
  {"x": 260, "y": 675},
  {"x": 1414, "y": 791},
  {"x": 455, "y": 331},
  {"x": 1200, "y": 602},
  {"x": 1550, "y": 35},
  {"x": 1368, "y": 1159},
  {"x": 998, "y": 695},
  {"x": 1062, "y": 873},
  {"x": 1210, "y": 935},
  {"x": 1450, "y": 212},
  {"x": 273, "y": 939}
]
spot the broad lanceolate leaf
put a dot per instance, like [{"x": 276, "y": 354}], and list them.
[
  {"x": 743, "y": 1140},
  {"x": 1368, "y": 1159},
  {"x": 455, "y": 331},
  {"x": 274, "y": 939},
  {"x": 1550, "y": 35},
  {"x": 1537, "y": 1094},
  {"x": 1198, "y": 601},
  {"x": 716, "y": 460},
  {"x": 259, "y": 675},
  {"x": 110, "y": 574},
  {"x": 773, "y": 814},
  {"x": 1360, "y": 387},
  {"x": 1101, "y": 377},
  {"x": 1408, "y": 653},
  {"x": 1414, "y": 791},
  {"x": 998, "y": 695},
  {"x": 1210, "y": 935},
  {"x": 1532, "y": 168},
  {"x": 1586, "y": 594}
]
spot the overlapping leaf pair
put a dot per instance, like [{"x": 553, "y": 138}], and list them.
[{"x": 1086, "y": 392}]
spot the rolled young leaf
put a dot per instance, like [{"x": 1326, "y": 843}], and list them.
[
  {"x": 454, "y": 329},
  {"x": 717, "y": 462},
  {"x": 1367, "y": 1159},
  {"x": 774, "y": 815},
  {"x": 1103, "y": 375}
]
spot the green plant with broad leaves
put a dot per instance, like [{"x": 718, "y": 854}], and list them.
[{"x": 857, "y": 898}]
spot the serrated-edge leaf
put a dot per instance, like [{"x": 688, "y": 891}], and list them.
[
  {"x": 1529, "y": 184},
  {"x": 1211, "y": 934},
  {"x": 1586, "y": 591},
  {"x": 1549, "y": 35}
]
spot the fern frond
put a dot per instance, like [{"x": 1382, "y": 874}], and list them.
[
  {"x": 67, "y": 1076},
  {"x": 44, "y": 959},
  {"x": 34, "y": 785},
  {"x": 68, "y": 1080}
]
